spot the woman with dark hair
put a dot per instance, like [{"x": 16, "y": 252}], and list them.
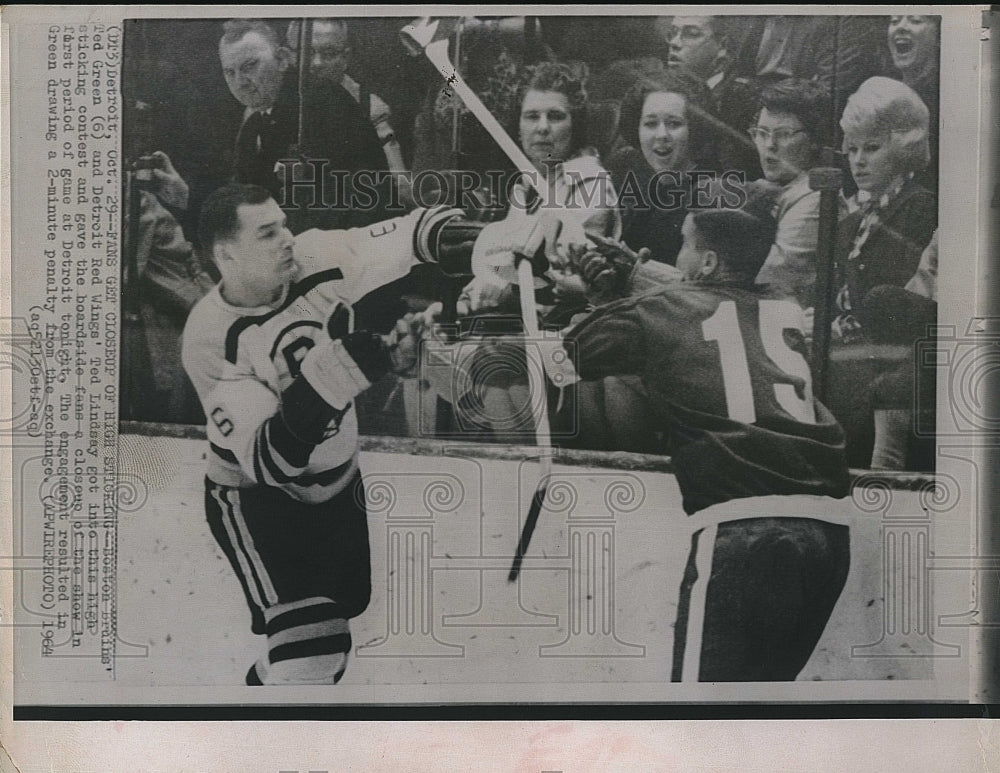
[
  {"x": 569, "y": 179},
  {"x": 668, "y": 123},
  {"x": 791, "y": 128},
  {"x": 915, "y": 50}
]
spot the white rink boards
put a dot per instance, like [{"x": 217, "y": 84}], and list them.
[{"x": 442, "y": 612}]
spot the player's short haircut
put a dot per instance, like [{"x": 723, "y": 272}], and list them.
[
  {"x": 220, "y": 218},
  {"x": 235, "y": 30},
  {"x": 890, "y": 108},
  {"x": 809, "y": 101},
  {"x": 741, "y": 239}
]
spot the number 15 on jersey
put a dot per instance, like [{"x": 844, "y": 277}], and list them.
[{"x": 775, "y": 317}]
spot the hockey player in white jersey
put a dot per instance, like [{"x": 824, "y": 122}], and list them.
[{"x": 273, "y": 356}]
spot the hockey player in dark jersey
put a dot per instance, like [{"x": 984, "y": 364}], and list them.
[
  {"x": 272, "y": 354},
  {"x": 722, "y": 368},
  {"x": 718, "y": 365}
]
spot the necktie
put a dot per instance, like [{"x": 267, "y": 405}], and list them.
[{"x": 248, "y": 145}]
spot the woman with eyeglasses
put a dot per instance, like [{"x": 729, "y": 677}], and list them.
[
  {"x": 791, "y": 128},
  {"x": 885, "y": 126},
  {"x": 668, "y": 124}
]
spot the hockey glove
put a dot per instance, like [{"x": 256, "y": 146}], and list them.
[{"x": 606, "y": 268}]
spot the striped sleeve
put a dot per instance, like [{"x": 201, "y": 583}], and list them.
[
  {"x": 369, "y": 257},
  {"x": 271, "y": 438},
  {"x": 374, "y": 255}
]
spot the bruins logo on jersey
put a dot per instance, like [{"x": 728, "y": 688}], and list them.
[{"x": 291, "y": 346}]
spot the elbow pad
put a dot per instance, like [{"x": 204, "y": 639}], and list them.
[{"x": 445, "y": 237}]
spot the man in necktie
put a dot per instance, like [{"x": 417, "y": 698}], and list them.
[
  {"x": 250, "y": 166},
  {"x": 334, "y": 131}
]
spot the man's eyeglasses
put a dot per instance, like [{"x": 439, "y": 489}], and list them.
[{"x": 782, "y": 135}]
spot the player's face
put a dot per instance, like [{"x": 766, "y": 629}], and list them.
[
  {"x": 663, "y": 132},
  {"x": 329, "y": 51},
  {"x": 546, "y": 127},
  {"x": 691, "y": 257},
  {"x": 253, "y": 69},
  {"x": 873, "y": 162},
  {"x": 262, "y": 260},
  {"x": 913, "y": 43},
  {"x": 784, "y": 146},
  {"x": 692, "y": 45}
]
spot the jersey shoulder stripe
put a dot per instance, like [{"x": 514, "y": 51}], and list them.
[{"x": 295, "y": 292}]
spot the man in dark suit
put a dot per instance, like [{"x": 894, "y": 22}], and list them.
[
  {"x": 286, "y": 119},
  {"x": 707, "y": 46}
]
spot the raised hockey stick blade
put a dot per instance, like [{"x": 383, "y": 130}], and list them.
[{"x": 429, "y": 37}]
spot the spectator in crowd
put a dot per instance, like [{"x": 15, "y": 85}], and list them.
[
  {"x": 839, "y": 51},
  {"x": 571, "y": 185},
  {"x": 792, "y": 127},
  {"x": 698, "y": 43},
  {"x": 885, "y": 125},
  {"x": 667, "y": 122},
  {"x": 915, "y": 50},
  {"x": 569, "y": 181},
  {"x": 906, "y": 393},
  {"x": 605, "y": 90},
  {"x": 707, "y": 45},
  {"x": 331, "y": 58},
  {"x": 171, "y": 281},
  {"x": 258, "y": 71}
]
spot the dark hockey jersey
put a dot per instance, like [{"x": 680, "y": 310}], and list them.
[{"x": 723, "y": 368}]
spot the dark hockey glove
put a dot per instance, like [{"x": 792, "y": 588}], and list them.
[{"x": 606, "y": 268}]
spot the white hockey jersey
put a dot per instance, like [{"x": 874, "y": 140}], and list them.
[{"x": 240, "y": 360}]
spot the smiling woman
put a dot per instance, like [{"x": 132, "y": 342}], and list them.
[
  {"x": 914, "y": 44},
  {"x": 667, "y": 122}
]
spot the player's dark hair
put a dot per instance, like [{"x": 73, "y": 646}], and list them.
[
  {"x": 235, "y": 30},
  {"x": 808, "y": 101},
  {"x": 219, "y": 214},
  {"x": 698, "y": 109},
  {"x": 742, "y": 240}
]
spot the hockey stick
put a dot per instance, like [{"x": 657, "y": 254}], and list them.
[{"x": 430, "y": 38}]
